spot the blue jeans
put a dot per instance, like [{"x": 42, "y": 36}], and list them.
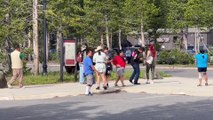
[
  {"x": 81, "y": 74},
  {"x": 136, "y": 73}
]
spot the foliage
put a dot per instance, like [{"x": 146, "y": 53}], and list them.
[
  {"x": 175, "y": 57},
  {"x": 53, "y": 78}
]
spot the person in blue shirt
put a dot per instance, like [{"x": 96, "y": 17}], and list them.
[
  {"x": 202, "y": 64},
  {"x": 89, "y": 70}
]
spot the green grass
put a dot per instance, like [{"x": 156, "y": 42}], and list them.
[{"x": 53, "y": 78}]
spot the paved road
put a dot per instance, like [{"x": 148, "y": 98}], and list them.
[
  {"x": 186, "y": 73},
  {"x": 122, "y": 106}
]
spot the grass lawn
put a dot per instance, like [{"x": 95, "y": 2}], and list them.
[{"x": 53, "y": 78}]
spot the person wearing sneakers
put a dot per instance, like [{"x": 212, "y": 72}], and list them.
[
  {"x": 202, "y": 64},
  {"x": 136, "y": 59},
  {"x": 150, "y": 63},
  {"x": 89, "y": 70},
  {"x": 100, "y": 60},
  {"x": 17, "y": 66},
  {"x": 120, "y": 65}
]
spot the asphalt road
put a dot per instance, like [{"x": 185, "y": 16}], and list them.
[
  {"x": 122, "y": 106},
  {"x": 186, "y": 73}
]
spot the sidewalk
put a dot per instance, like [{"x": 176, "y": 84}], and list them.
[{"x": 172, "y": 85}]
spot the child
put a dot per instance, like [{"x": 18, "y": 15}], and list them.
[
  {"x": 89, "y": 70},
  {"x": 120, "y": 64}
]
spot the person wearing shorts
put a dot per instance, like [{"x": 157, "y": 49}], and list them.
[
  {"x": 202, "y": 64},
  {"x": 108, "y": 65},
  {"x": 120, "y": 65},
  {"x": 89, "y": 70},
  {"x": 99, "y": 59}
]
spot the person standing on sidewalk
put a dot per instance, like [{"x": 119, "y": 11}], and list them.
[
  {"x": 150, "y": 63},
  {"x": 17, "y": 66},
  {"x": 99, "y": 59},
  {"x": 81, "y": 58},
  {"x": 89, "y": 70},
  {"x": 136, "y": 59},
  {"x": 120, "y": 65},
  {"x": 108, "y": 65},
  {"x": 202, "y": 64}
]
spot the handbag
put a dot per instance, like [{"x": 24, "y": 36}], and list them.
[{"x": 149, "y": 59}]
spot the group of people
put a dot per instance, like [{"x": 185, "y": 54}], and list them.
[{"x": 98, "y": 62}]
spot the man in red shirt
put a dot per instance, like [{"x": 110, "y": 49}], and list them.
[{"x": 120, "y": 65}]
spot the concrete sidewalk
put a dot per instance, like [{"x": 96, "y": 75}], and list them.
[{"x": 171, "y": 85}]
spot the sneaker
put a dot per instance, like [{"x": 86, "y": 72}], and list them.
[
  {"x": 89, "y": 94},
  {"x": 206, "y": 84},
  {"x": 9, "y": 86},
  {"x": 105, "y": 87},
  {"x": 151, "y": 82},
  {"x": 98, "y": 88},
  {"x": 137, "y": 83},
  {"x": 21, "y": 86},
  {"x": 147, "y": 82}
]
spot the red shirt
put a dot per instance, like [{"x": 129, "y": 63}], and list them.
[{"x": 118, "y": 60}]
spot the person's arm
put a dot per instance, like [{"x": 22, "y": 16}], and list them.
[
  {"x": 92, "y": 66},
  {"x": 148, "y": 54}
]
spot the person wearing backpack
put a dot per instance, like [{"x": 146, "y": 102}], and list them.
[
  {"x": 136, "y": 59},
  {"x": 202, "y": 64}
]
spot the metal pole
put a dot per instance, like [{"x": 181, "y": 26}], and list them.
[
  {"x": 62, "y": 60},
  {"x": 44, "y": 40}
]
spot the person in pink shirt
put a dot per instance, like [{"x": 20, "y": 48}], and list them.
[{"x": 120, "y": 65}]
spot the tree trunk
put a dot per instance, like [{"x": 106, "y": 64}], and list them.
[
  {"x": 47, "y": 45},
  {"x": 102, "y": 38},
  {"x": 111, "y": 34},
  {"x": 142, "y": 34},
  {"x": 35, "y": 37},
  {"x": 119, "y": 39},
  {"x": 58, "y": 41},
  {"x": 107, "y": 33},
  {"x": 29, "y": 44}
]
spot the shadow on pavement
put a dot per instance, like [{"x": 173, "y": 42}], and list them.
[{"x": 85, "y": 109}]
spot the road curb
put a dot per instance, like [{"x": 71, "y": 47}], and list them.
[{"x": 55, "y": 95}]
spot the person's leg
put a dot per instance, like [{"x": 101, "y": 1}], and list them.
[
  {"x": 133, "y": 73},
  {"x": 81, "y": 74},
  {"x": 20, "y": 77},
  {"x": 205, "y": 78},
  {"x": 152, "y": 73},
  {"x": 98, "y": 81},
  {"x": 122, "y": 77},
  {"x": 137, "y": 75},
  {"x": 90, "y": 81},
  {"x": 122, "y": 80},
  {"x": 200, "y": 78},
  {"x": 116, "y": 82},
  {"x": 147, "y": 72},
  {"x": 103, "y": 76},
  {"x": 14, "y": 77},
  {"x": 153, "y": 70}
]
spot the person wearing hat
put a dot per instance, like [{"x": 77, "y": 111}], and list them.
[{"x": 100, "y": 60}]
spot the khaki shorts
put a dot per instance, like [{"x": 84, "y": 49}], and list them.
[
  {"x": 90, "y": 79},
  {"x": 120, "y": 71}
]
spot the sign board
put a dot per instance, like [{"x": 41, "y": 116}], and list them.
[{"x": 69, "y": 52}]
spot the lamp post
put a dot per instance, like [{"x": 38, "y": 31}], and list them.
[{"x": 44, "y": 41}]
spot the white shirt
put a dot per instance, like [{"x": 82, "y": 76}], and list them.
[{"x": 100, "y": 61}]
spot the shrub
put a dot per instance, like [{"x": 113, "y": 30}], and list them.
[{"x": 175, "y": 57}]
